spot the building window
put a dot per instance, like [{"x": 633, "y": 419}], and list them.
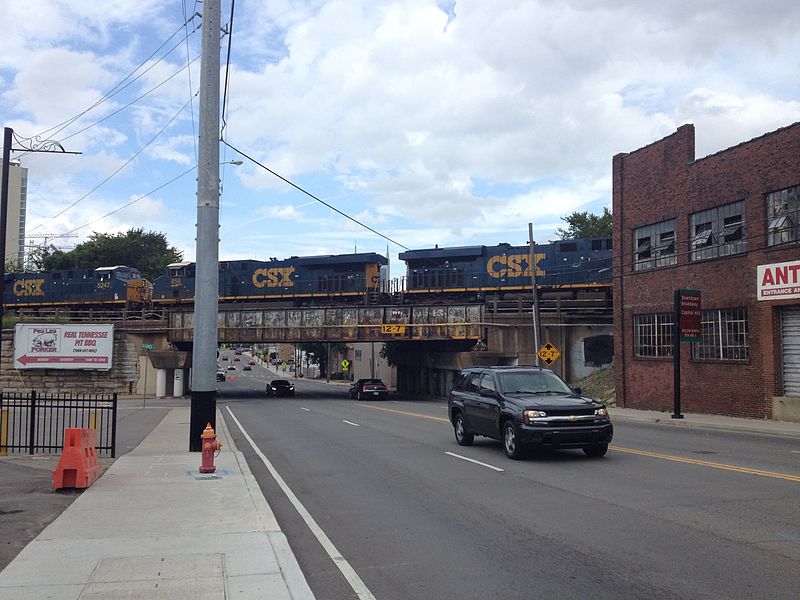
[
  {"x": 724, "y": 335},
  {"x": 717, "y": 232},
  {"x": 783, "y": 216},
  {"x": 654, "y": 246},
  {"x": 652, "y": 335}
]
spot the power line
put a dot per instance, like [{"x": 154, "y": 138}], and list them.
[
  {"x": 125, "y": 164},
  {"x": 134, "y": 201},
  {"x": 310, "y": 195},
  {"x": 119, "y": 86}
]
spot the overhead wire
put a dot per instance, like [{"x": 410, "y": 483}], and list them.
[
  {"x": 310, "y": 195},
  {"x": 189, "y": 73},
  {"x": 134, "y": 201},
  {"x": 119, "y": 86},
  {"x": 125, "y": 164}
]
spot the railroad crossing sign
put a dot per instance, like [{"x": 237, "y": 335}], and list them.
[
  {"x": 345, "y": 364},
  {"x": 549, "y": 353}
]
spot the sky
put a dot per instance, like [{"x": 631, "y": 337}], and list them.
[{"x": 433, "y": 122}]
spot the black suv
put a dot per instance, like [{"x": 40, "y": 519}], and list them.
[{"x": 526, "y": 406}]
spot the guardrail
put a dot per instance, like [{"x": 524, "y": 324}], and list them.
[{"x": 32, "y": 422}]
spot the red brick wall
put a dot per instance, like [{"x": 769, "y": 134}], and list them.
[{"x": 664, "y": 181}]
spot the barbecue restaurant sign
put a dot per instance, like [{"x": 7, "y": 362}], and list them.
[
  {"x": 63, "y": 346},
  {"x": 780, "y": 281}
]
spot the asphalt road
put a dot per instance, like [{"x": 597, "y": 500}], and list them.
[{"x": 668, "y": 513}]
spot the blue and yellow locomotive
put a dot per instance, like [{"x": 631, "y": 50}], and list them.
[
  {"x": 87, "y": 287},
  {"x": 505, "y": 268},
  {"x": 299, "y": 279}
]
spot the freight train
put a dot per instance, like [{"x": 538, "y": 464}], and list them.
[
  {"x": 505, "y": 268},
  {"x": 459, "y": 273}
]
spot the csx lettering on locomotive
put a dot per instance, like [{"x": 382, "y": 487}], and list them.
[
  {"x": 274, "y": 277},
  {"x": 28, "y": 287},
  {"x": 512, "y": 265}
]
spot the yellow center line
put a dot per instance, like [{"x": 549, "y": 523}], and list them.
[
  {"x": 403, "y": 412},
  {"x": 689, "y": 461},
  {"x": 713, "y": 465}
]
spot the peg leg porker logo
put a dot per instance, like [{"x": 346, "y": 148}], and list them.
[{"x": 45, "y": 340}]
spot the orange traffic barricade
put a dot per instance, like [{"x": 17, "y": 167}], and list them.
[{"x": 77, "y": 467}]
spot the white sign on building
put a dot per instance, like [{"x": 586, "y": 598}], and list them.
[
  {"x": 60, "y": 346},
  {"x": 779, "y": 281}
]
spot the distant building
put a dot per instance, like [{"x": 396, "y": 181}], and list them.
[
  {"x": 15, "y": 223},
  {"x": 728, "y": 225}
]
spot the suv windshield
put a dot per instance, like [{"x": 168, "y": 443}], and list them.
[{"x": 532, "y": 382}]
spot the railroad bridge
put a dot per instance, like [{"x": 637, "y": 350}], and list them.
[{"x": 438, "y": 338}]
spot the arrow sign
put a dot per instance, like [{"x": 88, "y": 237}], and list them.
[{"x": 85, "y": 360}]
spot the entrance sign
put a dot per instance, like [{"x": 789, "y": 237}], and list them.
[
  {"x": 778, "y": 281},
  {"x": 689, "y": 317},
  {"x": 59, "y": 346}
]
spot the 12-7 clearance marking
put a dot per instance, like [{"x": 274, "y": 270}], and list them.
[{"x": 690, "y": 461}]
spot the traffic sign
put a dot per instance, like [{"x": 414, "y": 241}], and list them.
[
  {"x": 549, "y": 353},
  {"x": 345, "y": 364},
  {"x": 152, "y": 347},
  {"x": 393, "y": 328}
]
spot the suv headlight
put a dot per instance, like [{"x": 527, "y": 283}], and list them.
[
  {"x": 529, "y": 417},
  {"x": 602, "y": 413}
]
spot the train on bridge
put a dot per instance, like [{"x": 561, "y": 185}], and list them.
[{"x": 454, "y": 274}]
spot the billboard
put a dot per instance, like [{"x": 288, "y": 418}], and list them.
[
  {"x": 779, "y": 281},
  {"x": 61, "y": 346}
]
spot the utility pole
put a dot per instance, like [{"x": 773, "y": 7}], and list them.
[
  {"x": 532, "y": 263},
  {"x": 204, "y": 400}
]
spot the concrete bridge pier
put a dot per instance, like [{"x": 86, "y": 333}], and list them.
[{"x": 161, "y": 383}]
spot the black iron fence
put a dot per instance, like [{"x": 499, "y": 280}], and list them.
[{"x": 34, "y": 422}]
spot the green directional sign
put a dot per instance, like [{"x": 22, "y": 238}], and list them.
[{"x": 149, "y": 346}]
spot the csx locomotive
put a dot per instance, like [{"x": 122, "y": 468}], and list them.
[
  {"x": 462, "y": 273},
  {"x": 506, "y": 268},
  {"x": 297, "y": 278},
  {"x": 85, "y": 287}
]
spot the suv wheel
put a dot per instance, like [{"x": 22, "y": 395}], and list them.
[
  {"x": 463, "y": 437},
  {"x": 596, "y": 451},
  {"x": 511, "y": 444}
]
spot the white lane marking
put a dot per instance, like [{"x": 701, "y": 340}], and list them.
[
  {"x": 305, "y": 409},
  {"x": 795, "y": 451},
  {"x": 361, "y": 590},
  {"x": 351, "y": 423},
  {"x": 472, "y": 460}
]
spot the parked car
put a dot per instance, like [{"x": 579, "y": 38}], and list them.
[
  {"x": 280, "y": 387},
  {"x": 526, "y": 407},
  {"x": 220, "y": 375},
  {"x": 224, "y": 358},
  {"x": 231, "y": 367},
  {"x": 236, "y": 359},
  {"x": 247, "y": 368},
  {"x": 369, "y": 389},
  {"x": 251, "y": 362}
]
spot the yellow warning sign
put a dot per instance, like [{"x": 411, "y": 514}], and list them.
[
  {"x": 345, "y": 363},
  {"x": 549, "y": 353}
]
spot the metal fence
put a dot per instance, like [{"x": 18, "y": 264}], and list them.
[{"x": 34, "y": 422}]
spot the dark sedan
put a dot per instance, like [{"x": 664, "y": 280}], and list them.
[
  {"x": 369, "y": 389},
  {"x": 280, "y": 387}
]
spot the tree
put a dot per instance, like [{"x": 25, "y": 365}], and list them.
[
  {"x": 585, "y": 225},
  {"x": 317, "y": 353},
  {"x": 149, "y": 252}
]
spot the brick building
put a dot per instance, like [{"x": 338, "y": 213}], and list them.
[{"x": 728, "y": 225}]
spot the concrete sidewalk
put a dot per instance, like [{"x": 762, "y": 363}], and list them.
[
  {"x": 761, "y": 426},
  {"x": 153, "y": 527}
]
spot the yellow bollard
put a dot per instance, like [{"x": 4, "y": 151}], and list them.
[{"x": 4, "y": 432}]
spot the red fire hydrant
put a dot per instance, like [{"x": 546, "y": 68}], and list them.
[{"x": 210, "y": 445}]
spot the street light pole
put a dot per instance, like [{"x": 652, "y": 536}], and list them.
[
  {"x": 7, "y": 135},
  {"x": 204, "y": 401}
]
